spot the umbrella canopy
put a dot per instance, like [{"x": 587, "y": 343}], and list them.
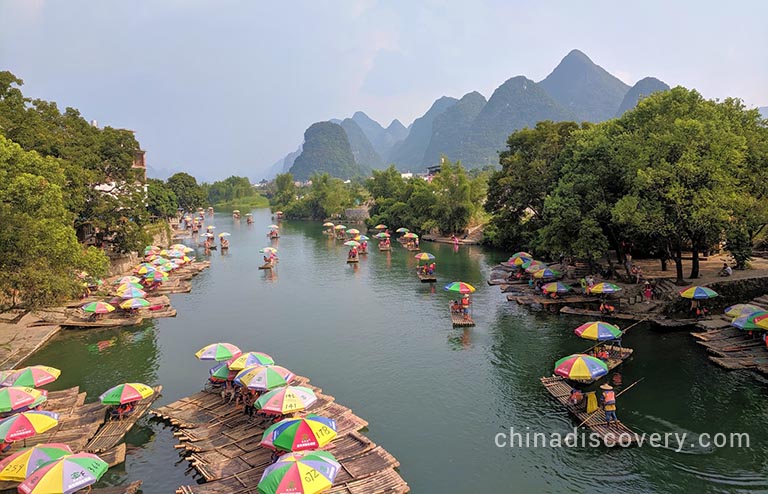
[
  {"x": 287, "y": 399},
  {"x": 353, "y": 231},
  {"x": 131, "y": 292},
  {"x": 698, "y": 293},
  {"x": 66, "y": 475},
  {"x": 235, "y": 210},
  {"x": 599, "y": 331},
  {"x": 145, "y": 268},
  {"x": 580, "y": 367},
  {"x": 126, "y": 393},
  {"x": 208, "y": 235},
  {"x": 556, "y": 287},
  {"x": 328, "y": 224},
  {"x": 250, "y": 359},
  {"x": 517, "y": 255},
  {"x": 382, "y": 235},
  {"x": 380, "y": 226},
  {"x": 273, "y": 227},
  {"x": 218, "y": 352},
  {"x": 126, "y": 286},
  {"x": 268, "y": 250},
  {"x": 402, "y": 230},
  {"x": 27, "y": 424},
  {"x": 224, "y": 234},
  {"x": 519, "y": 261},
  {"x": 98, "y": 307},
  {"x": 127, "y": 279},
  {"x": 360, "y": 238},
  {"x": 605, "y": 287},
  {"x": 339, "y": 227},
  {"x": 546, "y": 273},
  {"x": 20, "y": 465},
  {"x": 533, "y": 266},
  {"x": 755, "y": 320},
  {"x": 300, "y": 434},
  {"x": 151, "y": 248},
  {"x": 156, "y": 276},
  {"x": 249, "y": 214},
  {"x": 211, "y": 227},
  {"x": 459, "y": 287},
  {"x": 134, "y": 303},
  {"x": 159, "y": 261},
  {"x": 308, "y": 472},
  {"x": 15, "y": 397},
  {"x": 264, "y": 377},
  {"x": 424, "y": 256},
  {"x": 221, "y": 371},
  {"x": 739, "y": 310},
  {"x": 410, "y": 235},
  {"x": 32, "y": 376},
  {"x": 352, "y": 243}
]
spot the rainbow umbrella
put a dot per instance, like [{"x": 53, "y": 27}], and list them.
[
  {"x": 32, "y": 376},
  {"x": 751, "y": 321},
  {"x": 98, "y": 307},
  {"x": 165, "y": 268},
  {"x": 126, "y": 393},
  {"x": 698, "y": 293},
  {"x": 580, "y": 367},
  {"x": 519, "y": 261},
  {"x": 309, "y": 472},
  {"x": 208, "y": 235},
  {"x": 459, "y": 287},
  {"x": 264, "y": 378},
  {"x": 211, "y": 227},
  {"x": 268, "y": 250},
  {"x": 410, "y": 235},
  {"x": 599, "y": 331},
  {"x": 145, "y": 268},
  {"x": 178, "y": 247},
  {"x": 221, "y": 371},
  {"x": 287, "y": 399},
  {"x": 134, "y": 303},
  {"x": 15, "y": 397},
  {"x": 127, "y": 279},
  {"x": 224, "y": 234},
  {"x": 556, "y": 287},
  {"x": 402, "y": 230},
  {"x": 126, "y": 286},
  {"x": 352, "y": 243},
  {"x": 380, "y": 226},
  {"x": 160, "y": 261},
  {"x": 382, "y": 235},
  {"x": 424, "y": 256},
  {"x": 300, "y": 434},
  {"x": 328, "y": 224},
  {"x": 605, "y": 287},
  {"x": 517, "y": 255},
  {"x": 533, "y": 266},
  {"x": 21, "y": 464},
  {"x": 156, "y": 276},
  {"x": 131, "y": 292},
  {"x": 739, "y": 310},
  {"x": 250, "y": 359},
  {"x": 218, "y": 352},
  {"x": 177, "y": 254},
  {"x": 353, "y": 231},
  {"x": 26, "y": 424},
  {"x": 360, "y": 238},
  {"x": 66, "y": 475},
  {"x": 151, "y": 248},
  {"x": 274, "y": 227},
  {"x": 546, "y": 273},
  {"x": 339, "y": 227}
]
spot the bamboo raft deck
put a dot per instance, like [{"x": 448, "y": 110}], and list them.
[
  {"x": 113, "y": 431},
  {"x": 266, "y": 265},
  {"x": 596, "y": 313},
  {"x": 222, "y": 445},
  {"x": 350, "y": 261},
  {"x": 561, "y": 391},
  {"x": 101, "y": 323},
  {"x": 385, "y": 248},
  {"x": 426, "y": 278},
  {"x": 734, "y": 349},
  {"x": 616, "y": 356},
  {"x": 132, "y": 488},
  {"x": 459, "y": 320}
]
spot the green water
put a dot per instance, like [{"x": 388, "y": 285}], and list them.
[{"x": 435, "y": 397}]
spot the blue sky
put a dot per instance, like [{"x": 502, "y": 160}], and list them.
[{"x": 222, "y": 87}]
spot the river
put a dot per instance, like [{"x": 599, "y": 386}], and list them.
[{"x": 435, "y": 397}]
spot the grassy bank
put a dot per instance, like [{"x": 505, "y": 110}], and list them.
[{"x": 245, "y": 204}]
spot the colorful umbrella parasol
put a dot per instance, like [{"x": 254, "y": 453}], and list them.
[
  {"x": 339, "y": 227},
  {"x": 160, "y": 261},
  {"x": 382, "y": 235},
  {"x": 519, "y": 261},
  {"x": 598, "y": 330},
  {"x": 459, "y": 287},
  {"x": 287, "y": 399},
  {"x": 21, "y": 464},
  {"x": 127, "y": 279},
  {"x": 739, "y": 310},
  {"x": 224, "y": 234},
  {"x": 264, "y": 378},
  {"x": 66, "y": 475},
  {"x": 145, "y": 268},
  {"x": 698, "y": 292},
  {"x": 533, "y": 266},
  {"x": 273, "y": 227},
  {"x": 424, "y": 256},
  {"x": 250, "y": 359},
  {"x": 126, "y": 286},
  {"x": 520, "y": 254},
  {"x": 300, "y": 434},
  {"x": 32, "y": 376},
  {"x": 15, "y": 397},
  {"x": 410, "y": 235},
  {"x": 156, "y": 277},
  {"x": 402, "y": 230},
  {"x": 126, "y": 393},
  {"x": 26, "y": 424},
  {"x": 352, "y": 243},
  {"x": 218, "y": 352},
  {"x": 360, "y": 238},
  {"x": 556, "y": 287},
  {"x": 208, "y": 235},
  {"x": 580, "y": 367},
  {"x": 131, "y": 292},
  {"x": 98, "y": 307},
  {"x": 380, "y": 226},
  {"x": 605, "y": 288},
  {"x": 268, "y": 250},
  {"x": 210, "y": 227},
  {"x": 353, "y": 231},
  {"x": 328, "y": 224},
  {"x": 546, "y": 273},
  {"x": 221, "y": 371},
  {"x": 134, "y": 303},
  {"x": 308, "y": 472}
]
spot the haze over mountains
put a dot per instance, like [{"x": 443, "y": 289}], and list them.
[{"x": 471, "y": 129}]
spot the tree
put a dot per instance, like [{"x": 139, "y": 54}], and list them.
[
  {"x": 161, "y": 200},
  {"x": 189, "y": 194}
]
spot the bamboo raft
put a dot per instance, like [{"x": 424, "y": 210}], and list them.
[
  {"x": 132, "y": 488},
  {"x": 352, "y": 260},
  {"x": 222, "y": 445},
  {"x": 413, "y": 249},
  {"x": 385, "y": 247},
  {"x": 266, "y": 265},
  {"x": 426, "y": 278},
  {"x": 551, "y": 302},
  {"x": 616, "y": 355},
  {"x": 459, "y": 320},
  {"x": 596, "y": 313},
  {"x": 734, "y": 349},
  {"x": 561, "y": 391},
  {"x": 101, "y": 323},
  {"x": 113, "y": 431}
]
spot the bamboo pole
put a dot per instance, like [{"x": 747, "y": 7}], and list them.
[{"x": 622, "y": 392}]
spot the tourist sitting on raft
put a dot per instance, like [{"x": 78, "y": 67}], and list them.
[
  {"x": 606, "y": 308},
  {"x": 224, "y": 243},
  {"x": 576, "y": 397},
  {"x": 697, "y": 310},
  {"x": 122, "y": 410},
  {"x": 726, "y": 271},
  {"x": 430, "y": 268},
  {"x": 352, "y": 253}
]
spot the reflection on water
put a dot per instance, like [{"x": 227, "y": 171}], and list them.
[{"x": 382, "y": 343}]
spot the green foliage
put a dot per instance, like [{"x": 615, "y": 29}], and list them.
[
  {"x": 189, "y": 194},
  {"x": 326, "y": 150},
  {"x": 161, "y": 200}
]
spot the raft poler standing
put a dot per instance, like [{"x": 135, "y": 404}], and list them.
[{"x": 609, "y": 404}]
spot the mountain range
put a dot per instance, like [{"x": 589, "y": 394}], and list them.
[{"x": 471, "y": 129}]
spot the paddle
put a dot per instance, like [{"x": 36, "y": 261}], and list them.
[{"x": 622, "y": 392}]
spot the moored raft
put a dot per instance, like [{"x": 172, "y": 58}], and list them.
[
  {"x": 612, "y": 435},
  {"x": 460, "y": 320}
]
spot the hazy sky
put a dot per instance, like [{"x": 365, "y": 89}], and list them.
[{"x": 220, "y": 87}]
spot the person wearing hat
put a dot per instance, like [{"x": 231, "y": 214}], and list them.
[
  {"x": 609, "y": 404},
  {"x": 465, "y": 303}
]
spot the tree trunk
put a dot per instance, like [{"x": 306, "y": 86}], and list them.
[
  {"x": 663, "y": 263},
  {"x": 695, "y": 262},
  {"x": 679, "y": 263}
]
